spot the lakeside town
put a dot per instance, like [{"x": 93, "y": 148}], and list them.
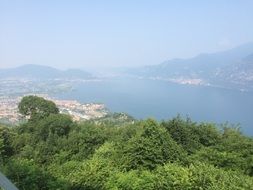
[
  {"x": 78, "y": 111},
  {"x": 13, "y": 89}
]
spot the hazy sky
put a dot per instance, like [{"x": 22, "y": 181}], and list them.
[{"x": 106, "y": 33}]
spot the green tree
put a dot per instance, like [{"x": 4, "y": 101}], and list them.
[
  {"x": 153, "y": 146},
  {"x": 93, "y": 173},
  {"x": 208, "y": 134},
  {"x": 84, "y": 140},
  {"x": 27, "y": 175},
  {"x": 6, "y": 139},
  {"x": 132, "y": 180},
  {"x": 58, "y": 124},
  {"x": 190, "y": 135},
  {"x": 221, "y": 159},
  {"x": 36, "y": 108},
  {"x": 172, "y": 176},
  {"x": 235, "y": 143},
  {"x": 53, "y": 152},
  {"x": 182, "y": 131},
  {"x": 205, "y": 176}
]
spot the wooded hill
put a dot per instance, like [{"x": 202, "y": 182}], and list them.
[{"x": 50, "y": 151}]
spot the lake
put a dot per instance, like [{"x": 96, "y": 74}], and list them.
[{"x": 164, "y": 100}]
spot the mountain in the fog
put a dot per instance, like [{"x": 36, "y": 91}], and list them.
[
  {"x": 239, "y": 74},
  {"x": 232, "y": 68},
  {"x": 43, "y": 72}
]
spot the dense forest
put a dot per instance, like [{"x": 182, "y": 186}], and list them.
[{"x": 51, "y": 151}]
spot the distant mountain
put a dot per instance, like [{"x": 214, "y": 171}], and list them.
[
  {"x": 239, "y": 74},
  {"x": 232, "y": 69},
  {"x": 43, "y": 72}
]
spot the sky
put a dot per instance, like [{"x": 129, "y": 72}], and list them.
[{"x": 99, "y": 34}]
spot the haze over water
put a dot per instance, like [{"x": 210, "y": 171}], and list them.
[
  {"x": 163, "y": 100},
  {"x": 100, "y": 35}
]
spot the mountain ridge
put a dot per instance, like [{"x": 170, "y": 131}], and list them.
[
  {"x": 43, "y": 72},
  {"x": 225, "y": 69}
]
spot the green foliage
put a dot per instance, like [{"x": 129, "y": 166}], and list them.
[
  {"x": 51, "y": 151},
  {"x": 58, "y": 124},
  {"x": 208, "y": 134},
  {"x": 1, "y": 149},
  {"x": 208, "y": 177},
  {"x": 22, "y": 141},
  {"x": 93, "y": 173},
  {"x": 134, "y": 179},
  {"x": 36, "y": 107},
  {"x": 64, "y": 171},
  {"x": 84, "y": 140},
  {"x": 115, "y": 119},
  {"x": 192, "y": 136},
  {"x": 151, "y": 147},
  {"x": 239, "y": 145},
  {"x": 175, "y": 177},
  {"x": 233, "y": 141},
  {"x": 226, "y": 160},
  {"x": 27, "y": 175},
  {"x": 6, "y": 138},
  {"x": 182, "y": 131},
  {"x": 172, "y": 176}
]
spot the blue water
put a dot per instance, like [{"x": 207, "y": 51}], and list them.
[{"x": 163, "y": 100}]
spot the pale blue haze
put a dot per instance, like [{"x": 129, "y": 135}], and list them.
[{"x": 103, "y": 34}]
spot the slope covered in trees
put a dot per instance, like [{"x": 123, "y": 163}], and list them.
[{"x": 53, "y": 152}]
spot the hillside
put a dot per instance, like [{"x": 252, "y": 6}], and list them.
[
  {"x": 50, "y": 151},
  {"x": 43, "y": 72},
  {"x": 230, "y": 69},
  {"x": 240, "y": 73}
]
